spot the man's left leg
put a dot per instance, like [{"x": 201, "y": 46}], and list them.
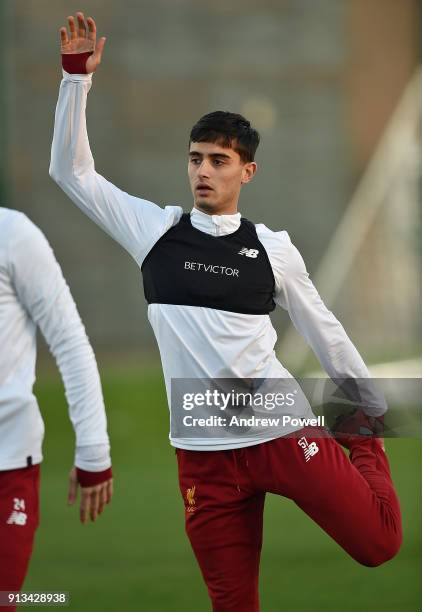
[
  {"x": 19, "y": 517},
  {"x": 352, "y": 499}
]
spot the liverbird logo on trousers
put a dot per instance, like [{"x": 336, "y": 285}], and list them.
[{"x": 190, "y": 498}]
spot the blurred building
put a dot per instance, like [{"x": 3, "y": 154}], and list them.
[{"x": 319, "y": 79}]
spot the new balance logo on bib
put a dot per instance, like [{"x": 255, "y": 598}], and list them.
[{"x": 249, "y": 252}]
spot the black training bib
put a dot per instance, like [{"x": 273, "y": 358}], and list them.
[{"x": 192, "y": 268}]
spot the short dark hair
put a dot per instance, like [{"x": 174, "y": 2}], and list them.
[{"x": 229, "y": 130}]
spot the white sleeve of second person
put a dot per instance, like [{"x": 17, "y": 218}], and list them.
[
  {"x": 46, "y": 297},
  {"x": 296, "y": 293},
  {"x": 133, "y": 222}
]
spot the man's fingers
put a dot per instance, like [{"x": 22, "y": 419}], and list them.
[
  {"x": 92, "y": 29},
  {"x": 95, "y": 503},
  {"x": 72, "y": 27},
  {"x": 85, "y": 505},
  {"x": 102, "y": 499},
  {"x": 99, "y": 48},
  {"x": 64, "y": 39},
  {"x": 73, "y": 488},
  {"x": 109, "y": 490},
  {"x": 81, "y": 25},
  {"x": 93, "y": 500}
]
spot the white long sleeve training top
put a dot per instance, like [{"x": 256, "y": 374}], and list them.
[
  {"x": 197, "y": 342},
  {"x": 34, "y": 293}
]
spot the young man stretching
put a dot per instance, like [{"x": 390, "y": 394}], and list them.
[{"x": 211, "y": 278}]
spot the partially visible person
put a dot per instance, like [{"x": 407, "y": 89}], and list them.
[{"x": 33, "y": 293}]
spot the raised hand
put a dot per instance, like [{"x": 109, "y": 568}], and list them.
[{"x": 82, "y": 38}]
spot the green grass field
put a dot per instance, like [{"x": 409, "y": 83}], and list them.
[{"x": 137, "y": 557}]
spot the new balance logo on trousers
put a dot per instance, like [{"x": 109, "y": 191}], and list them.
[
  {"x": 309, "y": 449},
  {"x": 18, "y": 515}
]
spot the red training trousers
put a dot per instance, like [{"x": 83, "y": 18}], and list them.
[
  {"x": 19, "y": 517},
  {"x": 352, "y": 499}
]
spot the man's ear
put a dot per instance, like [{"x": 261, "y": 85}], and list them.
[{"x": 248, "y": 172}]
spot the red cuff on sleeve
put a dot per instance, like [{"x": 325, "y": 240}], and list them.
[
  {"x": 75, "y": 63},
  {"x": 91, "y": 479}
]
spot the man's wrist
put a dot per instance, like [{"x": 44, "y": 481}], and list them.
[
  {"x": 75, "y": 63},
  {"x": 91, "y": 479}
]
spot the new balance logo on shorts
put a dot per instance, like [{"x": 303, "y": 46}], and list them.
[
  {"x": 309, "y": 449},
  {"x": 17, "y": 517},
  {"x": 249, "y": 252}
]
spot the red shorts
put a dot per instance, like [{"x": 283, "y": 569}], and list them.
[
  {"x": 19, "y": 518},
  {"x": 352, "y": 499}
]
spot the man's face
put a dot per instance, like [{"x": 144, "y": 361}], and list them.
[{"x": 216, "y": 175}]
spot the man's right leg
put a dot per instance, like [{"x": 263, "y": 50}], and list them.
[{"x": 224, "y": 525}]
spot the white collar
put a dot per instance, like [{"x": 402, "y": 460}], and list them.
[{"x": 216, "y": 225}]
